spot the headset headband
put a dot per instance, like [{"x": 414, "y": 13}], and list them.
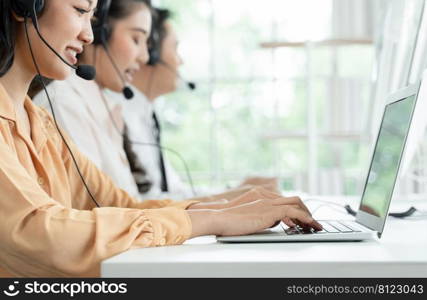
[{"x": 101, "y": 28}]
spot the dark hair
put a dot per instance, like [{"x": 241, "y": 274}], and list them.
[
  {"x": 158, "y": 34},
  {"x": 139, "y": 173},
  {"x": 121, "y": 9},
  {"x": 7, "y": 36},
  {"x": 107, "y": 12},
  {"x": 36, "y": 85}
]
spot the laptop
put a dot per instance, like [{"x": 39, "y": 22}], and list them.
[{"x": 379, "y": 185}]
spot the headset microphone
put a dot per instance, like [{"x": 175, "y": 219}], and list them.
[
  {"x": 87, "y": 72},
  {"x": 127, "y": 91},
  {"x": 191, "y": 85},
  {"x": 84, "y": 71}
]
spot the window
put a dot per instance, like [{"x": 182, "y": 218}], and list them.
[{"x": 252, "y": 109}]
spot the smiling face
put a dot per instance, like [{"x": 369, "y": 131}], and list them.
[
  {"x": 66, "y": 26},
  {"x": 128, "y": 47}
]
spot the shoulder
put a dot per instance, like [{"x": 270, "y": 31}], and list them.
[
  {"x": 45, "y": 116},
  {"x": 43, "y": 113},
  {"x": 60, "y": 93}
]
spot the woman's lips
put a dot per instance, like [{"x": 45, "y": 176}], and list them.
[
  {"x": 70, "y": 56},
  {"x": 128, "y": 77}
]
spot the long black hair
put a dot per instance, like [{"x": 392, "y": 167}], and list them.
[{"x": 7, "y": 36}]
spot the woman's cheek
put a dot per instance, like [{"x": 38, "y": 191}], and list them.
[{"x": 124, "y": 51}]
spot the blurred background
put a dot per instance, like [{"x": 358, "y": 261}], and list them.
[{"x": 293, "y": 89}]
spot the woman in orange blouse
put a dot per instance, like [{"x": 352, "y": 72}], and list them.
[{"x": 49, "y": 225}]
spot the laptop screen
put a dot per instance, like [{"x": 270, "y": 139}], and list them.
[{"x": 387, "y": 155}]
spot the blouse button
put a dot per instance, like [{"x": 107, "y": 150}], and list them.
[{"x": 40, "y": 180}]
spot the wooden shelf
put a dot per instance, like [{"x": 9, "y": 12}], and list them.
[{"x": 330, "y": 42}]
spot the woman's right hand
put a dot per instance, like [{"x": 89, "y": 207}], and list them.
[{"x": 251, "y": 217}]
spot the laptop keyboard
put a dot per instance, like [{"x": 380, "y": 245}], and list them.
[{"x": 328, "y": 227}]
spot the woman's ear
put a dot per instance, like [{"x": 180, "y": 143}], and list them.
[{"x": 17, "y": 18}]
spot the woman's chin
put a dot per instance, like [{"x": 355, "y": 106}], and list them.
[
  {"x": 116, "y": 88},
  {"x": 65, "y": 74},
  {"x": 60, "y": 74},
  {"x": 174, "y": 87}
]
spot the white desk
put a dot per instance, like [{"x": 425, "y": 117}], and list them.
[{"x": 401, "y": 252}]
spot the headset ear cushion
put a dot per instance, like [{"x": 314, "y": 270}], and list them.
[
  {"x": 101, "y": 34},
  {"x": 24, "y": 8},
  {"x": 97, "y": 32},
  {"x": 101, "y": 28},
  {"x": 154, "y": 49},
  {"x": 154, "y": 57},
  {"x": 39, "y": 6}
]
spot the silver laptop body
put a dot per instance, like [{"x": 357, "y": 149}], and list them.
[{"x": 379, "y": 186}]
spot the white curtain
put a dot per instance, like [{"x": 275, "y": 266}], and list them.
[
  {"x": 354, "y": 19},
  {"x": 401, "y": 60},
  {"x": 395, "y": 47},
  {"x": 399, "y": 30}
]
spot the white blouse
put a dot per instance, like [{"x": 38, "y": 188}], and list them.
[
  {"x": 80, "y": 110},
  {"x": 138, "y": 115}
]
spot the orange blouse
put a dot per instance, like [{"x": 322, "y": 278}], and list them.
[{"x": 49, "y": 226}]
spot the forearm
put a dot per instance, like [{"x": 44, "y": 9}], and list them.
[
  {"x": 228, "y": 195},
  {"x": 89, "y": 237},
  {"x": 204, "y": 222},
  {"x": 203, "y": 199}
]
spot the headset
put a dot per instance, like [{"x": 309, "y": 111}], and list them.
[
  {"x": 100, "y": 27},
  {"x": 404, "y": 214},
  {"x": 25, "y": 8},
  {"x": 102, "y": 34},
  {"x": 31, "y": 9},
  {"x": 155, "y": 48}
]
